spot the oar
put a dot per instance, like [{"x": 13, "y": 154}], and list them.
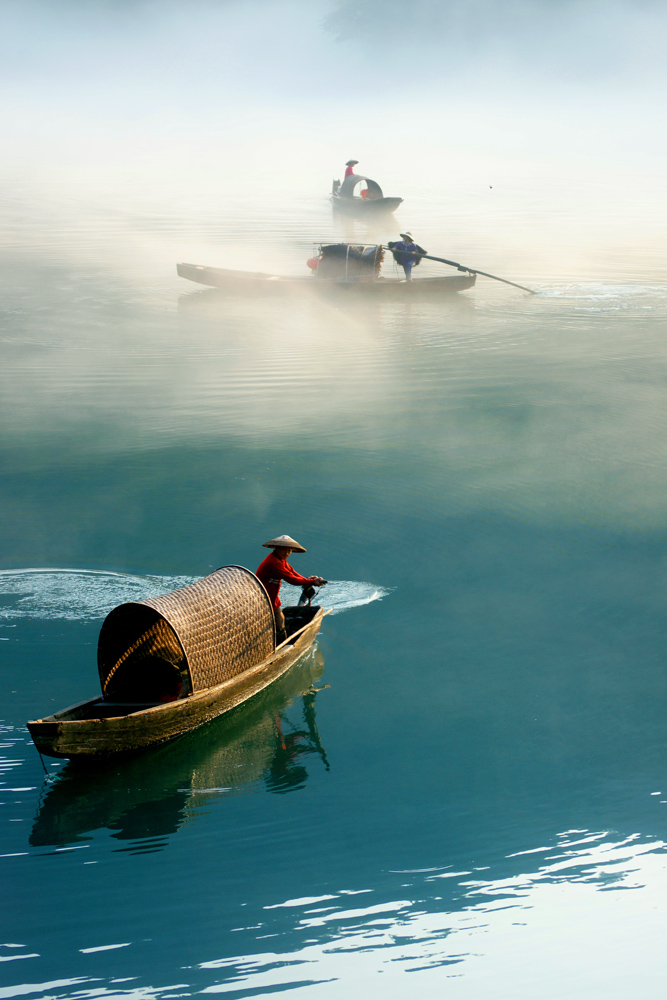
[{"x": 471, "y": 270}]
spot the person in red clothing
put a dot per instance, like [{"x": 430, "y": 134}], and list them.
[
  {"x": 349, "y": 167},
  {"x": 275, "y": 568}
]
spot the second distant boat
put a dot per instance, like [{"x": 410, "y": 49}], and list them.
[{"x": 371, "y": 200}]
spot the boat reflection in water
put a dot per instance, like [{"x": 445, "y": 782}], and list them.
[{"x": 255, "y": 746}]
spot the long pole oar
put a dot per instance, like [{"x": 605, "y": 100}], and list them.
[{"x": 470, "y": 270}]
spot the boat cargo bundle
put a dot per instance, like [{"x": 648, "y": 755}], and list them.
[
  {"x": 164, "y": 648},
  {"x": 343, "y": 261}
]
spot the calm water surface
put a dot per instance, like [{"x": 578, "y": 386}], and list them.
[{"x": 460, "y": 790}]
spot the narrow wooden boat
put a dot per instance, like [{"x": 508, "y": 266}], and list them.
[
  {"x": 344, "y": 199},
  {"x": 353, "y": 267},
  {"x": 169, "y": 664}
]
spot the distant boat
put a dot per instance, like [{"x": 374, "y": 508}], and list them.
[
  {"x": 373, "y": 200},
  {"x": 348, "y": 266},
  {"x": 169, "y": 664}
]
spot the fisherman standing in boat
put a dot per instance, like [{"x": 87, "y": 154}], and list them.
[
  {"x": 407, "y": 253},
  {"x": 349, "y": 171},
  {"x": 275, "y": 569}
]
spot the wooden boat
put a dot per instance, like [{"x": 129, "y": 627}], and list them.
[
  {"x": 169, "y": 664},
  {"x": 353, "y": 267},
  {"x": 373, "y": 201}
]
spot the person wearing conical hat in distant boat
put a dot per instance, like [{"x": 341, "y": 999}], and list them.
[
  {"x": 275, "y": 568},
  {"x": 407, "y": 253},
  {"x": 349, "y": 167}
]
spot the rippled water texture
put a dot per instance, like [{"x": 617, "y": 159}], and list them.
[{"x": 459, "y": 791}]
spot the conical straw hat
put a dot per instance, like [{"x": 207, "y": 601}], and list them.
[{"x": 284, "y": 542}]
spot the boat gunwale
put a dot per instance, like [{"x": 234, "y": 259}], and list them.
[
  {"x": 370, "y": 203},
  {"x": 60, "y": 718},
  {"x": 260, "y": 278}
]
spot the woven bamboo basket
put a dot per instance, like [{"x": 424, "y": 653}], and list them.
[{"x": 191, "y": 639}]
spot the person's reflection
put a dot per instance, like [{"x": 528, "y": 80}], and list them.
[
  {"x": 286, "y": 770},
  {"x": 151, "y": 796}
]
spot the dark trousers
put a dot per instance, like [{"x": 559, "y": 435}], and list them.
[{"x": 280, "y": 625}]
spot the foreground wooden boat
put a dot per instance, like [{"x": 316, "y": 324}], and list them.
[
  {"x": 169, "y": 664},
  {"x": 352, "y": 267},
  {"x": 373, "y": 201},
  {"x": 220, "y": 277}
]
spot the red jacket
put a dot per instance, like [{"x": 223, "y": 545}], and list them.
[{"x": 273, "y": 571}]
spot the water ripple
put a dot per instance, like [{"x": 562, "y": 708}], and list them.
[{"x": 82, "y": 595}]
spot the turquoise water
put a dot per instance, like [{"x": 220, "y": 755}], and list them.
[{"x": 460, "y": 790}]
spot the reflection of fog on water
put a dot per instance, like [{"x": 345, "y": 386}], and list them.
[{"x": 153, "y": 795}]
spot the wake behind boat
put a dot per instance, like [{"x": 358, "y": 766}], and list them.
[{"x": 338, "y": 265}]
